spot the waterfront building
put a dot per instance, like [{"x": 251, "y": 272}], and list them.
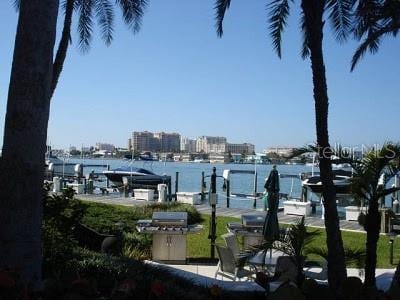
[
  {"x": 219, "y": 158},
  {"x": 169, "y": 142},
  {"x": 236, "y": 157},
  {"x": 105, "y": 146},
  {"x": 240, "y": 148},
  {"x": 211, "y": 144},
  {"x": 188, "y": 145},
  {"x": 258, "y": 158},
  {"x": 145, "y": 141},
  {"x": 280, "y": 151}
]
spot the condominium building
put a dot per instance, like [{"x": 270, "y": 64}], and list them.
[
  {"x": 105, "y": 147},
  {"x": 155, "y": 142},
  {"x": 188, "y": 145},
  {"x": 169, "y": 142},
  {"x": 240, "y": 148},
  {"x": 211, "y": 144},
  {"x": 145, "y": 141}
]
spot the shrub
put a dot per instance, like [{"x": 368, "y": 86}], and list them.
[
  {"x": 136, "y": 245},
  {"x": 102, "y": 217},
  {"x": 61, "y": 214},
  {"x": 112, "y": 276}
]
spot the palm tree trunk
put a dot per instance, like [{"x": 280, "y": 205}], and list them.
[
  {"x": 372, "y": 228},
  {"x": 63, "y": 45},
  {"x": 24, "y": 144},
  {"x": 313, "y": 12}
]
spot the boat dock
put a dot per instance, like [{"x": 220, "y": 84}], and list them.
[{"x": 311, "y": 221}]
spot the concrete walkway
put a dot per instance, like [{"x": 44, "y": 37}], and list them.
[{"x": 383, "y": 276}]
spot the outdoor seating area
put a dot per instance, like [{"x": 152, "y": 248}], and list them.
[{"x": 265, "y": 260}]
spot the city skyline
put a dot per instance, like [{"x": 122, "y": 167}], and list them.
[{"x": 181, "y": 77}]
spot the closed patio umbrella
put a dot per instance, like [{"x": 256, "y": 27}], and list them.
[{"x": 271, "y": 226}]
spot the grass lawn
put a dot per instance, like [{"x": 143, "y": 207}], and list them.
[
  {"x": 199, "y": 244},
  {"x": 102, "y": 217}
]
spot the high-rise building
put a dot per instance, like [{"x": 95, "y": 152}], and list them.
[
  {"x": 240, "y": 148},
  {"x": 169, "y": 142},
  {"x": 188, "y": 145},
  {"x": 155, "y": 142},
  {"x": 145, "y": 141},
  {"x": 211, "y": 144}
]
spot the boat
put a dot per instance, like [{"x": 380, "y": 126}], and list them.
[
  {"x": 201, "y": 160},
  {"x": 136, "y": 177},
  {"x": 341, "y": 181},
  {"x": 147, "y": 156}
]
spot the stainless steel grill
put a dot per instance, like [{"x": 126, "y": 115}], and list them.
[
  {"x": 169, "y": 231},
  {"x": 253, "y": 221},
  {"x": 163, "y": 218},
  {"x": 250, "y": 229}
]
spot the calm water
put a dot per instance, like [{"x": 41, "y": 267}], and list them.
[{"x": 190, "y": 177}]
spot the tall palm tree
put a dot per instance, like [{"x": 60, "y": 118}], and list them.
[
  {"x": 103, "y": 11},
  {"x": 377, "y": 164},
  {"x": 312, "y": 23},
  {"x": 34, "y": 77},
  {"x": 22, "y": 161},
  {"x": 375, "y": 19}
]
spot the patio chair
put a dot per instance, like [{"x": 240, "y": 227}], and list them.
[
  {"x": 228, "y": 266},
  {"x": 231, "y": 243}
]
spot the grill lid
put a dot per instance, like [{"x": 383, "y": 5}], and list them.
[
  {"x": 253, "y": 220},
  {"x": 170, "y": 218}
]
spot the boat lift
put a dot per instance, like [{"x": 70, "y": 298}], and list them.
[{"x": 226, "y": 175}]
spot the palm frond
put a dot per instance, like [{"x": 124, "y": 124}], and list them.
[
  {"x": 366, "y": 17},
  {"x": 132, "y": 12},
  {"x": 105, "y": 18},
  {"x": 17, "y": 4},
  {"x": 85, "y": 24},
  {"x": 303, "y": 150},
  {"x": 368, "y": 171},
  {"x": 221, "y": 6},
  {"x": 305, "y": 50},
  {"x": 340, "y": 16},
  {"x": 279, "y": 12},
  {"x": 371, "y": 42},
  {"x": 354, "y": 256}
]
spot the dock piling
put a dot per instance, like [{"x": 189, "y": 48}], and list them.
[
  {"x": 202, "y": 193},
  {"x": 176, "y": 185}
]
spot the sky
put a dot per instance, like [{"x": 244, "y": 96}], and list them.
[{"x": 176, "y": 75}]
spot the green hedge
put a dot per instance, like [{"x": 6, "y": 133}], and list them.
[{"x": 102, "y": 217}]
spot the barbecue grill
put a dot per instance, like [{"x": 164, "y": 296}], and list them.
[
  {"x": 250, "y": 229},
  {"x": 169, "y": 230}
]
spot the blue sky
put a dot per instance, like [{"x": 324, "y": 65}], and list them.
[{"x": 176, "y": 75}]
